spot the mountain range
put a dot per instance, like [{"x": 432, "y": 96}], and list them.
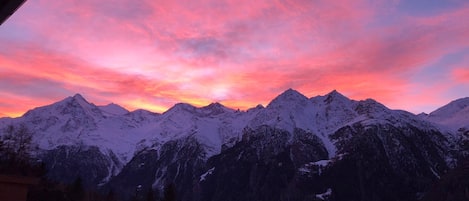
[{"x": 296, "y": 148}]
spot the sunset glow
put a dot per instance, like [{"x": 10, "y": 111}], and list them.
[{"x": 148, "y": 54}]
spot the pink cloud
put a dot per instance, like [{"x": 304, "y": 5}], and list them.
[
  {"x": 461, "y": 74},
  {"x": 241, "y": 53},
  {"x": 73, "y": 75}
]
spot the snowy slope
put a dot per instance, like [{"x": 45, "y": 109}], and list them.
[
  {"x": 214, "y": 125},
  {"x": 454, "y": 115},
  {"x": 113, "y": 109},
  {"x": 75, "y": 121},
  {"x": 323, "y": 115},
  {"x": 213, "y": 145}
]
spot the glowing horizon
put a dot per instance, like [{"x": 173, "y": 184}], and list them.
[{"x": 154, "y": 54}]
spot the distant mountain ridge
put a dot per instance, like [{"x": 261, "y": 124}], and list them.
[
  {"x": 319, "y": 148},
  {"x": 454, "y": 115}
]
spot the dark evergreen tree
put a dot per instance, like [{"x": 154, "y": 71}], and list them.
[
  {"x": 77, "y": 192},
  {"x": 157, "y": 194},
  {"x": 15, "y": 151},
  {"x": 169, "y": 192},
  {"x": 111, "y": 196},
  {"x": 150, "y": 195}
]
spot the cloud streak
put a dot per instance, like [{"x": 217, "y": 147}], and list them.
[{"x": 153, "y": 54}]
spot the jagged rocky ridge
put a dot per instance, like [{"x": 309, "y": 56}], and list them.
[{"x": 296, "y": 148}]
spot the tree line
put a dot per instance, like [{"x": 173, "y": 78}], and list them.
[{"x": 17, "y": 158}]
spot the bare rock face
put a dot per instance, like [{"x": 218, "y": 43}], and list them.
[{"x": 68, "y": 163}]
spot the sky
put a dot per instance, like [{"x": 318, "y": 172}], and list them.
[{"x": 407, "y": 54}]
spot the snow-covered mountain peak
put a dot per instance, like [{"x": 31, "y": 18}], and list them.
[
  {"x": 335, "y": 96},
  {"x": 455, "y": 114},
  {"x": 370, "y": 106},
  {"x": 215, "y": 105},
  {"x": 78, "y": 96},
  {"x": 142, "y": 112},
  {"x": 78, "y": 99},
  {"x": 76, "y": 106},
  {"x": 181, "y": 107},
  {"x": 288, "y": 97},
  {"x": 288, "y": 111},
  {"x": 215, "y": 108},
  {"x": 422, "y": 115},
  {"x": 142, "y": 116},
  {"x": 255, "y": 109},
  {"x": 113, "y": 109},
  {"x": 452, "y": 107}
]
